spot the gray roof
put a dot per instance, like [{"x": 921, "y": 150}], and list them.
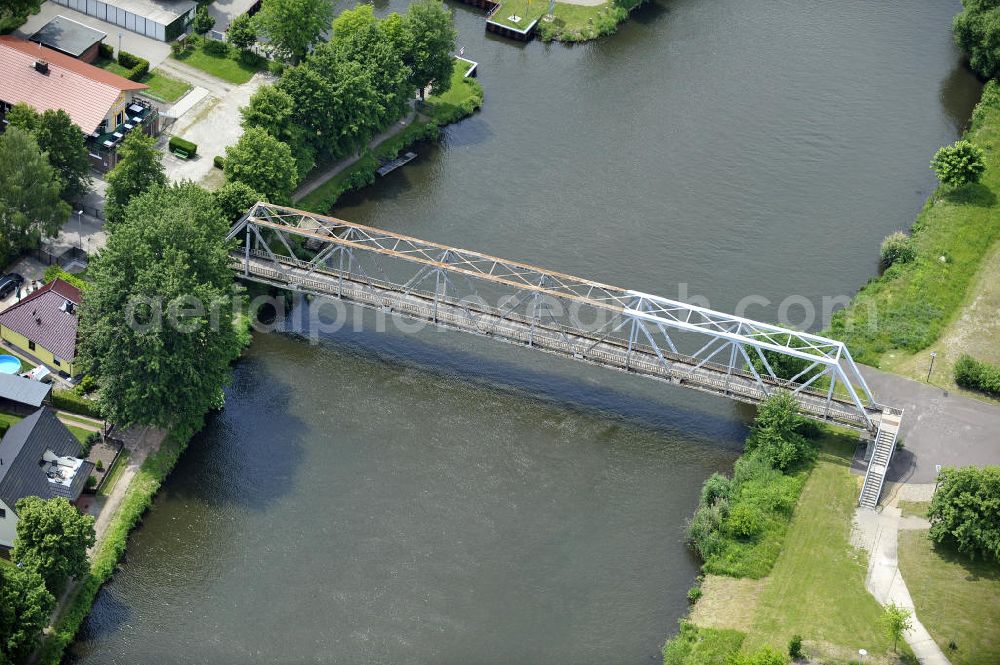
[
  {"x": 21, "y": 452},
  {"x": 66, "y": 35},
  {"x": 24, "y": 391}
]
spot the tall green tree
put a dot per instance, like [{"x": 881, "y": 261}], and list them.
[
  {"x": 30, "y": 206},
  {"x": 236, "y": 198},
  {"x": 156, "y": 324},
  {"x": 272, "y": 109},
  {"x": 977, "y": 32},
  {"x": 52, "y": 539},
  {"x": 965, "y": 510},
  {"x": 139, "y": 169},
  {"x": 264, "y": 163},
  {"x": 776, "y": 432},
  {"x": 294, "y": 27},
  {"x": 25, "y": 606},
  {"x": 22, "y": 116},
  {"x": 63, "y": 141},
  {"x": 432, "y": 42},
  {"x": 242, "y": 32},
  {"x": 15, "y": 12}
]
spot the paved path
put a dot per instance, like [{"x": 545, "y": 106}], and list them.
[
  {"x": 314, "y": 183},
  {"x": 878, "y": 533},
  {"x": 939, "y": 427}
]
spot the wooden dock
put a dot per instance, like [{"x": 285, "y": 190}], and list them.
[{"x": 389, "y": 167}]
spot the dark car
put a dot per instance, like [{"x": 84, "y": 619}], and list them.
[{"x": 8, "y": 283}]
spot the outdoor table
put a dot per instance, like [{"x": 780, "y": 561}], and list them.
[
  {"x": 135, "y": 108},
  {"x": 128, "y": 126},
  {"x": 108, "y": 144},
  {"x": 118, "y": 135}
]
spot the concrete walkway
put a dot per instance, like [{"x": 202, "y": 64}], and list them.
[
  {"x": 939, "y": 427},
  {"x": 877, "y": 532},
  {"x": 314, "y": 183}
]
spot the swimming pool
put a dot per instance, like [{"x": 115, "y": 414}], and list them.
[{"x": 9, "y": 365}]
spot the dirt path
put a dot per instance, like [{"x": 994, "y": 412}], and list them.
[{"x": 314, "y": 183}]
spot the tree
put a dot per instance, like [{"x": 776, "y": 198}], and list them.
[
  {"x": 15, "y": 12},
  {"x": 236, "y": 198},
  {"x": 29, "y": 195},
  {"x": 242, "y": 32},
  {"x": 52, "y": 539},
  {"x": 203, "y": 21},
  {"x": 959, "y": 163},
  {"x": 965, "y": 510},
  {"x": 432, "y": 43},
  {"x": 139, "y": 169},
  {"x": 264, "y": 163},
  {"x": 62, "y": 140},
  {"x": 294, "y": 27},
  {"x": 776, "y": 432},
  {"x": 25, "y": 606},
  {"x": 895, "y": 621},
  {"x": 977, "y": 32},
  {"x": 23, "y": 116},
  {"x": 271, "y": 109},
  {"x": 156, "y": 324}
]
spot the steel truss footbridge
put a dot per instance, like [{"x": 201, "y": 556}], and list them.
[{"x": 521, "y": 304}]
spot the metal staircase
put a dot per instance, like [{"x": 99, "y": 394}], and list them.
[{"x": 885, "y": 446}]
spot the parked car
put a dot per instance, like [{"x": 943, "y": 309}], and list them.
[{"x": 8, "y": 283}]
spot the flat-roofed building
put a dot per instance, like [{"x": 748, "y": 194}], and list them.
[
  {"x": 70, "y": 38},
  {"x": 165, "y": 20}
]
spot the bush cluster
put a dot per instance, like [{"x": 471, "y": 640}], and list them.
[
  {"x": 56, "y": 271},
  {"x": 976, "y": 375},
  {"x": 106, "y": 51},
  {"x": 216, "y": 48},
  {"x": 137, "y": 67},
  {"x": 738, "y": 520},
  {"x": 67, "y": 400},
  {"x": 897, "y": 248},
  {"x": 965, "y": 510}
]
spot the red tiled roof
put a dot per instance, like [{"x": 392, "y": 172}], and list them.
[
  {"x": 39, "y": 316},
  {"x": 85, "y": 92}
]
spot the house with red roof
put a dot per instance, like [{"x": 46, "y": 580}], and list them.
[
  {"x": 42, "y": 326},
  {"x": 103, "y": 105}
]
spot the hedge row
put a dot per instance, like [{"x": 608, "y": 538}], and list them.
[
  {"x": 137, "y": 67},
  {"x": 68, "y": 401},
  {"x": 177, "y": 143},
  {"x": 977, "y": 375},
  {"x": 106, "y": 51},
  {"x": 56, "y": 271}
]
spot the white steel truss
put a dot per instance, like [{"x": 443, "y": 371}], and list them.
[{"x": 520, "y": 303}]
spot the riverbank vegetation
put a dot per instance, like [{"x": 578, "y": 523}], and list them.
[
  {"x": 977, "y": 32},
  {"x": 778, "y": 555},
  {"x": 907, "y": 308},
  {"x": 463, "y": 98},
  {"x": 581, "y": 23}
]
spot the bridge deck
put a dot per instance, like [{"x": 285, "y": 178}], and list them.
[{"x": 509, "y": 327}]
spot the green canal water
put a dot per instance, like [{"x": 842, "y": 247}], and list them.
[{"x": 434, "y": 498}]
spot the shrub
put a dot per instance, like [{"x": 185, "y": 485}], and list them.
[
  {"x": 975, "y": 375},
  {"x": 219, "y": 162},
  {"x": 959, "y": 163},
  {"x": 694, "y": 593},
  {"x": 965, "y": 510},
  {"x": 67, "y": 401},
  {"x": 763, "y": 656},
  {"x": 177, "y": 143},
  {"x": 106, "y": 51},
  {"x": 137, "y": 67},
  {"x": 91, "y": 482},
  {"x": 216, "y": 48},
  {"x": 745, "y": 520},
  {"x": 775, "y": 433},
  {"x": 99, "y": 466},
  {"x": 716, "y": 487},
  {"x": 897, "y": 248},
  {"x": 203, "y": 21},
  {"x": 55, "y": 271},
  {"x": 795, "y": 646}
]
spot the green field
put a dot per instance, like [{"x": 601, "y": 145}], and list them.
[
  {"x": 817, "y": 587},
  {"x": 161, "y": 86},
  {"x": 956, "y": 599},
  {"x": 222, "y": 67}
]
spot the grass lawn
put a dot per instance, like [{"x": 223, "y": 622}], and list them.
[
  {"x": 914, "y": 508},
  {"x": 463, "y": 97},
  {"x": 115, "y": 472},
  {"x": 578, "y": 23},
  {"x": 161, "y": 86},
  {"x": 956, "y": 599},
  {"x": 907, "y": 309},
  {"x": 817, "y": 586},
  {"x": 528, "y": 10},
  {"x": 222, "y": 67},
  {"x": 80, "y": 433}
]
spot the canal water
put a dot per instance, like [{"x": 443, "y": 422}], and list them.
[{"x": 434, "y": 498}]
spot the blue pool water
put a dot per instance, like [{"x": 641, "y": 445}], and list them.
[{"x": 9, "y": 365}]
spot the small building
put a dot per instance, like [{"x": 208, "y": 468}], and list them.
[
  {"x": 165, "y": 20},
  {"x": 22, "y": 396},
  {"x": 103, "y": 105},
  {"x": 71, "y": 38},
  {"x": 38, "y": 457},
  {"x": 42, "y": 325}
]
